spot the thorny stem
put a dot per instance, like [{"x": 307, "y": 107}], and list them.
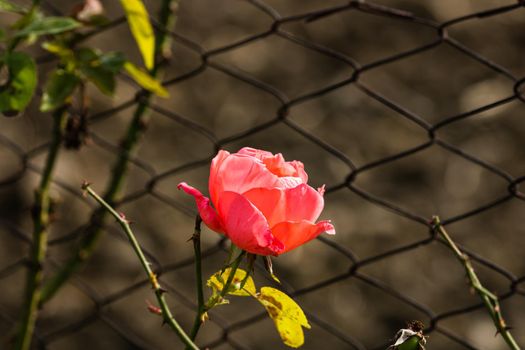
[
  {"x": 488, "y": 298},
  {"x": 41, "y": 221},
  {"x": 135, "y": 130},
  {"x": 196, "y": 238},
  {"x": 159, "y": 292}
]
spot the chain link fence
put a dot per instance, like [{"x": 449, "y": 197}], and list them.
[{"x": 404, "y": 109}]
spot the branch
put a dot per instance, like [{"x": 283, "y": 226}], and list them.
[
  {"x": 159, "y": 292},
  {"x": 112, "y": 193},
  {"x": 41, "y": 221},
  {"x": 489, "y": 299}
]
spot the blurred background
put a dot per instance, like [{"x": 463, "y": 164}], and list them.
[{"x": 404, "y": 109}]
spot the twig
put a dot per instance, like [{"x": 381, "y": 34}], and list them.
[
  {"x": 41, "y": 221},
  {"x": 112, "y": 193},
  {"x": 489, "y": 299},
  {"x": 159, "y": 292}
]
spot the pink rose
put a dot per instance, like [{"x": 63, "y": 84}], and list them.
[{"x": 262, "y": 203}]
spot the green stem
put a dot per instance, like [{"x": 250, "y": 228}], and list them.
[
  {"x": 199, "y": 319},
  {"x": 233, "y": 269},
  {"x": 41, "y": 220},
  {"x": 489, "y": 299},
  {"x": 159, "y": 292},
  {"x": 135, "y": 130},
  {"x": 249, "y": 269}
]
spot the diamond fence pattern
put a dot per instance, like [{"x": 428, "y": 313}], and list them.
[{"x": 350, "y": 302}]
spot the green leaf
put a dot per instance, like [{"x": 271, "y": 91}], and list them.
[
  {"x": 58, "y": 90},
  {"x": 8, "y": 6},
  {"x": 140, "y": 26},
  {"x": 49, "y": 25},
  {"x": 20, "y": 84},
  {"x": 113, "y": 61},
  {"x": 217, "y": 281},
  {"x": 288, "y": 317},
  {"x": 90, "y": 65},
  {"x": 29, "y": 17},
  {"x": 86, "y": 55},
  {"x": 101, "y": 77},
  {"x": 145, "y": 80}
]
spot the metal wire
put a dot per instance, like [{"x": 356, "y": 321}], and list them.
[{"x": 355, "y": 266}]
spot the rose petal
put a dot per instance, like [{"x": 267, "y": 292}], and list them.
[
  {"x": 270, "y": 201},
  {"x": 246, "y": 226},
  {"x": 256, "y": 153},
  {"x": 294, "y": 234},
  {"x": 289, "y": 182},
  {"x": 277, "y": 165},
  {"x": 299, "y": 170},
  {"x": 207, "y": 213},
  {"x": 214, "y": 168},
  {"x": 303, "y": 203},
  {"x": 292, "y": 204},
  {"x": 239, "y": 173}
]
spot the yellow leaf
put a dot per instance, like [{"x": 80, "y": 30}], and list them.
[
  {"x": 57, "y": 49},
  {"x": 145, "y": 80},
  {"x": 288, "y": 317},
  {"x": 140, "y": 26},
  {"x": 217, "y": 281}
]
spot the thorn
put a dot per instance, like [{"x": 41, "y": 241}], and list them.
[
  {"x": 163, "y": 290},
  {"x": 153, "y": 309},
  {"x": 123, "y": 217}
]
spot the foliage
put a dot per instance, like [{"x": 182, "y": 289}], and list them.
[
  {"x": 17, "y": 90},
  {"x": 8, "y": 6},
  {"x": 140, "y": 26},
  {"x": 287, "y": 315},
  {"x": 76, "y": 66}
]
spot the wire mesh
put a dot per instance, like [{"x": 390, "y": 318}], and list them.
[{"x": 390, "y": 157}]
